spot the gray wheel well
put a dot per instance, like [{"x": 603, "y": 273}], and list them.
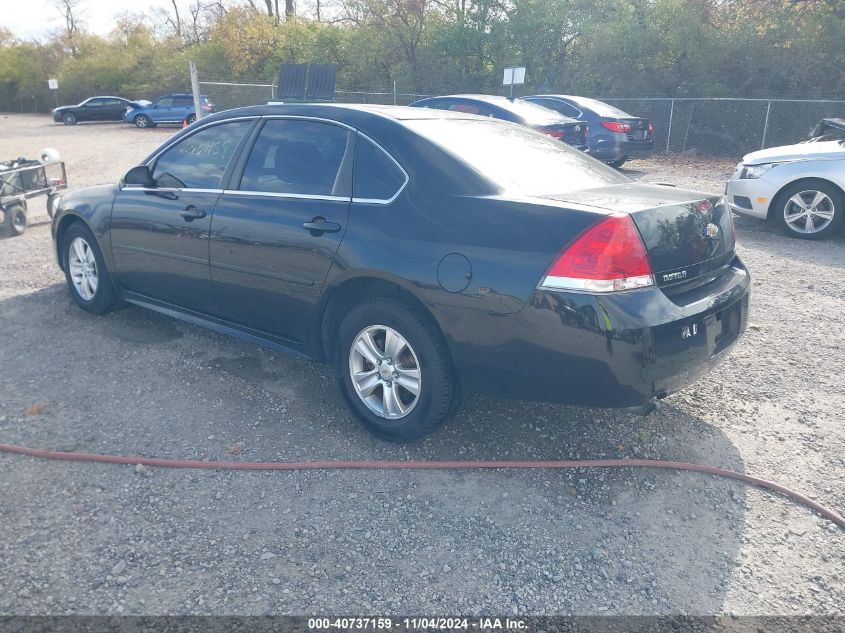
[
  {"x": 776, "y": 200},
  {"x": 351, "y": 293},
  {"x": 65, "y": 223}
]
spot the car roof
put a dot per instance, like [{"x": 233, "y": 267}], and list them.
[
  {"x": 491, "y": 99},
  {"x": 343, "y": 112}
]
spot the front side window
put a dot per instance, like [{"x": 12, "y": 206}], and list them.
[
  {"x": 377, "y": 176},
  {"x": 164, "y": 102},
  {"x": 299, "y": 157},
  {"x": 199, "y": 161}
]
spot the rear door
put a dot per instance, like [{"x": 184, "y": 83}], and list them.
[
  {"x": 183, "y": 105},
  {"x": 113, "y": 109},
  {"x": 92, "y": 110},
  {"x": 277, "y": 227},
  {"x": 160, "y": 234}
]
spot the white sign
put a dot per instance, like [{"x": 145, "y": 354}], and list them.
[
  {"x": 53, "y": 83},
  {"x": 514, "y": 76}
]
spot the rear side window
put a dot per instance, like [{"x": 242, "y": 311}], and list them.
[
  {"x": 468, "y": 108},
  {"x": 199, "y": 161},
  {"x": 559, "y": 106},
  {"x": 183, "y": 101},
  {"x": 298, "y": 157},
  {"x": 515, "y": 157},
  {"x": 377, "y": 176}
]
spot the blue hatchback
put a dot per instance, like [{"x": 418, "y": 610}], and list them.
[{"x": 172, "y": 108}]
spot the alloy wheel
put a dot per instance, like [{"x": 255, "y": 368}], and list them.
[
  {"x": 808, "y": 212},
  {"x": 385, "y": 372},
  {"x": 83, "y": 268}
]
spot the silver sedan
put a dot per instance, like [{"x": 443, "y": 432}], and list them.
[{"x": 800, "y": 187}]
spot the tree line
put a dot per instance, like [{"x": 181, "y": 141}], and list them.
[{"x": 738, "y": 48}]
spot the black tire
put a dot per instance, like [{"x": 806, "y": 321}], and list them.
[
  {"x": 439, "y": 392},
  {"x": 104, "y": 298},
  {"x": 142, "y": 121},
  {"x": 806, "y": 190},
  {"x": 191, "y": 118},
  {"x": 14, "y": 219},
  {"x": 69, "y": 118},
  {"x": 618, "y": 162}
]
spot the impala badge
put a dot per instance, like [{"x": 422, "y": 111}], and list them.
[
  {"x": 711, "y": 231},
  {"x": 681, "y": 274}
]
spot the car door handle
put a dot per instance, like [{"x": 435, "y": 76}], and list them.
[
  {"x": 191, "y": 213},
  {"x": 318, "y": 226}
]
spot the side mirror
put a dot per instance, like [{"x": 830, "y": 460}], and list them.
[{"x": 139, "y": 175}]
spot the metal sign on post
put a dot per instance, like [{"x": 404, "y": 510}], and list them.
[
  {"x": 513, "y": 76},
  {"x": 53, "y": 84},
  {"x": 195, "y": 88}
]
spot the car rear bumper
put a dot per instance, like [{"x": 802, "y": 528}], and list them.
[
  {"x": 617, "y": 146},
  {"x": 620, "y": 350}
]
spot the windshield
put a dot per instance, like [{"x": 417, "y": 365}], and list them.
[
  {"x": 601, "y": 108},
  {"x": 516, "y": 158}
]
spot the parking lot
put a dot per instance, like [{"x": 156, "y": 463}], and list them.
[{"x": 95, "y": 538}]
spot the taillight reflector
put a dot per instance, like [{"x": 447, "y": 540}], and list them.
[
  {"x": 606, "y": 257},
  {"x": 616, "y": 126},
  {"x": 558, "y": 134}
]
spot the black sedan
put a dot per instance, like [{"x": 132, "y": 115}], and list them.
[
  {"x": 615, "y": 136},
  {"x": 94, "y": 109},
  {"x": 570, "y": 131},
  {"x": 424, "y": 253}
]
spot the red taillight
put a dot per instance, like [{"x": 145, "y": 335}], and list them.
[
  {"x": 616, "y": 126},
  {"x": 650, "y": 129},
  {"x": 606, "y": 257},
  {"x": 558, "y": 134}
]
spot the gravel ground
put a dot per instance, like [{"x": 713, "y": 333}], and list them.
[{"x": 101, "y": 539}]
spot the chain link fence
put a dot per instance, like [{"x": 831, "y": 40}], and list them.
[
  {"x": 726, "y": 126},
  {"x": 708, "y": 126},
  {"x": 226, "y": 95}
]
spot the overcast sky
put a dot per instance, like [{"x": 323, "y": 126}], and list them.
[{"x": 28, "y": 19}]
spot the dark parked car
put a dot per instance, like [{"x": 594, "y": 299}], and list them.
[
  {"x": 174, "y": 108},
  {"x": 94, "y": 109},
  {"x": 424, "y": 253},
  {"x": 615, "y": 136},
  {"x": 570, "y": 131}
]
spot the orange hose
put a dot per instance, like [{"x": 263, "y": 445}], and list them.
[{"x": 427, "y": 465}]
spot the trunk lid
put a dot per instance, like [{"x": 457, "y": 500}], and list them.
[
  {"x": 688, "y": 235},
  {"x": 574, "y": 133},
  {"x": 639, "y": 129}
]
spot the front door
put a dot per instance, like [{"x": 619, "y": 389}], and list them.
[
  {"x": 274, "y": 235},
  {"x": 159, "y": 234}
]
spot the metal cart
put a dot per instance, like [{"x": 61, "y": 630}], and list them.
[{"x": 22, "y": 179}]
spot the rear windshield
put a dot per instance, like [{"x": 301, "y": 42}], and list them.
[
  {"x": 533, "y": 113},
  {"x": 516, "y": 158},
  {"x": 601, "y": 108}
]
